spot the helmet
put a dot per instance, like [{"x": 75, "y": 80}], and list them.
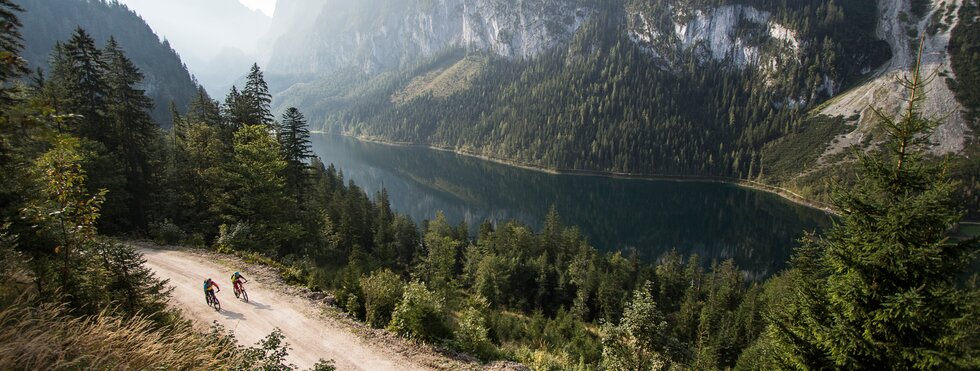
[{"x": 237, "y": 274}]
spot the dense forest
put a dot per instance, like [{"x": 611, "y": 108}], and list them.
[
  {"x": 166, "y": 79},
  {"x": 83, "y": 166}
]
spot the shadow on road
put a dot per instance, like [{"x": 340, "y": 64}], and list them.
[
  {"x": 231, "y": 315},
  {"x": 259, "y": 305}
]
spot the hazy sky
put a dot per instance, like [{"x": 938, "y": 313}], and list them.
[
  {"x": 266, "y": 6},
  {"x": 217, "y": 39}
]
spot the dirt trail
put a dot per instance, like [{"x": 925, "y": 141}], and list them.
[{"x": 310, "y": 338}]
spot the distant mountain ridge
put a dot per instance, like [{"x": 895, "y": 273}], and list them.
[
  {"x": 166, "y": 79},
  {"x": 659, "y": 87}
]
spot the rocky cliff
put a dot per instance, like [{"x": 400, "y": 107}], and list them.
[
  {"x": 902, "y": 28},
  {"x": 377, "y": 35}
]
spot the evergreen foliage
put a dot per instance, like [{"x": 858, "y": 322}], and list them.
[
  {"x": 294, "y": 139},
  {"x": 881, "y": 289},
  {"x": 257, "y": 99},
  {"x": 420, "y": 315},
  {"x": 11, "y": 44},
  {"x": 382, "y": 290}
]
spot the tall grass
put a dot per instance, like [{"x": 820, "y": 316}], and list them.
[{"x": 46, "y": 337}]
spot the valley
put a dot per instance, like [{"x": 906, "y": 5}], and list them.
[{"x": 490, "y": 184}]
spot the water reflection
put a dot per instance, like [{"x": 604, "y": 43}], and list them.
[{"x": 717, "y": 221}]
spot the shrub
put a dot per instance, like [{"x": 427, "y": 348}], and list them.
[
  {"x": 234, "y": 237},
  {"x": 471, "y": 334},
  {"x": 167, "y": 233},
  {"x": 381, "y": 290},
  {"x": 349, "y": 294},
  {"x": 420, "y": 315}
]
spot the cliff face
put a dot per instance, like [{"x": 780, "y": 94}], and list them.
[
  {"x": 377, "y": 35},
  {"x": 740, "y": 36},
  {"x": 322, "y": 36}
]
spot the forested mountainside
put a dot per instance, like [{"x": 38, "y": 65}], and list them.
[
  {"x": 165, "y": 77},
  {"x": 81, "y": 160},
  {"x": 646, "y": 87}
]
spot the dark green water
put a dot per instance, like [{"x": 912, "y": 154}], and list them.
[{"x": 716, "y": 221}]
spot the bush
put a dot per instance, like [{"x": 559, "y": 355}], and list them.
[
  {"x": 348, "y": 293},
  {"x": 382, "y": 291},
  {"x": 235, "y": 237},
  {"x": 471, "y": 334},
  {"x": 167, "y": 233},
  {"x": 420, "y": 315}
]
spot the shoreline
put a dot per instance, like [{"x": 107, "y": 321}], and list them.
[{"x": 743, "y": 183}]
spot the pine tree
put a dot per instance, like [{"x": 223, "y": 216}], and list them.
[
  {"x": 294, "y": 139},
  {"x": 641, "y": 341},
  {"x": 78, "y": 74},
  {"x": 880, "y": 289},
  {"x": 259, "y": 187},
  {"x": 129, "y": 113},
  {"x": 236, "y": 109},
  {"x": 11, "y": 64},
  {"x": 203, "y": 109},
  {"x": 256, "y": 93}
]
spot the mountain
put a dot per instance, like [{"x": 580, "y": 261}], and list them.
[
  {"x": 763, "y": 90},
  {"x": 166, "y": 79},
  {"x": 218, "y": 39}
]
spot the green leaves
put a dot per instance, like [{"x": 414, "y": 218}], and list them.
[{"x": 420, "y": 315}]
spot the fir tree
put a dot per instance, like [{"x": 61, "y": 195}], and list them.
[
  {"x": 236, "y": 109},
  {"x": 129, "y": 112},
  {"x": 78, "y": 71},
  {"x": 256, "y": 93},
  {"x": 879, "y": 290},
  {"x": 203, "y": 109},
  {"x": 11, "y": 64},
  {"x": 294, "y": 139}
]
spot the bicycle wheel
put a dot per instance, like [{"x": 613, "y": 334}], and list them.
[
  {"x": 244, "y": 295},
  {"x": 216, "y": 304}
]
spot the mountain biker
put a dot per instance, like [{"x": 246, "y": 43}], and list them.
[
  {"x": 209, "y": 289},
  {"x": 236, "y": 281}
]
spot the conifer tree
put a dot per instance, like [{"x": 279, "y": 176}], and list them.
[
  {"x": 259, "y": 187},
  {"x": 256, "y": 93},
  {"x": 641, "y": 341},
  {"x": 236, "y": 109},
  {"x": 11, "y": 64},
  {"x": 78, "y": 72},
  {"x": 294, "y": 139},
  {"x": 203, "y": 109},
  {"x": 880, "y": 289},
  {"x": 134, "y": 130}
]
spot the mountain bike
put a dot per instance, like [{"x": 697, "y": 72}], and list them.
[
  {"x": 213, "y": 301},
  {"x": 240, "y": 292}
]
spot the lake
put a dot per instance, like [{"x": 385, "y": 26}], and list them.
[{"x": 715, "y": 220}]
